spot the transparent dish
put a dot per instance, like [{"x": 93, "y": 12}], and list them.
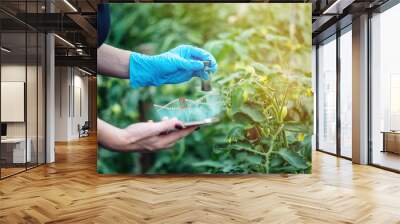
[{"x": 206, "y": 109}]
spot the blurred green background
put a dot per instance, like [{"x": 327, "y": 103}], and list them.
[{"x": 264, "y": 58}]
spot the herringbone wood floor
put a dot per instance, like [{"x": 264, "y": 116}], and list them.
[{"x": 70, "y": 191}]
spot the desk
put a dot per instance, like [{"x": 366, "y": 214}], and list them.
[
  {"x": 16, "y": 147},
  {"x": 391, "y": 141}
]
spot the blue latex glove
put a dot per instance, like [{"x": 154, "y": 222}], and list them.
[{"x": 174, "y": 66}]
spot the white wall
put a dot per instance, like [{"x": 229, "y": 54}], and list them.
[
  {"x": 61, "y": 103},
  {"x": 71, "y": 93},
  {"x": 80, "y": 100},
  {"x": 16, "y": 73},
  {"x": 11, "y": 73}
]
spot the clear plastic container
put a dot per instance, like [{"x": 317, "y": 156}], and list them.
[{"x": 208, "y": 107}]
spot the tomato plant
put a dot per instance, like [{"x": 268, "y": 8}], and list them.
[{"x": 264, "y": 57}]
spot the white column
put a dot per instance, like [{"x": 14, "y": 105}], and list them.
[
  {"x": 50, "y": 98},
  {"x": 360, "y": 90},
  {"x": 50, "y": 92}
]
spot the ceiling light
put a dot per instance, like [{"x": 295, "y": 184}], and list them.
[
  {"x": 70, "y": 5},
  {"x": 5, "y": 50},
  {"x": 84, "y": 71},
  {"x": 329, "y": 9},
  {"x": 79, "y": 51},
  {"x": 65, "y": 41},
  {"x": 337, "y": 7}
]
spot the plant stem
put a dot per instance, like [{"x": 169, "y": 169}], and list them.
[
  {"x": 284, "y": 138},
  {"x": 271, "y": 148},
  {"x": 254, "y": 151}
]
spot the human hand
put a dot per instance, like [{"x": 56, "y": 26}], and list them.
[
  {"x": 152, "y": 136},
  {"x": 174, "y": 66},
  {"x": 194, "y": 53}
]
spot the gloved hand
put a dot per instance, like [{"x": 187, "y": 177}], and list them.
[{"x": 174, "y": 66}]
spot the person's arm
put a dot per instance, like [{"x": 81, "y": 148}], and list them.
[
  {"x": 145, "y": 136},
  {"x": 113, "y": 61},
  {"x": 172, "y": 67},
  {"x": 109, "y": 136}
]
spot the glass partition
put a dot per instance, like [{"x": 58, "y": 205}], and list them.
[
  {"x": 22, "y": 88},
  {"x": 13, "y": 94}
]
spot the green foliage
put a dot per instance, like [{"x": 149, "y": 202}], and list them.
[{"x": 263, "y": 53}]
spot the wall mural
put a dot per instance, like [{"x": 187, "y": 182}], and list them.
[{"x": 204, "y": 88}]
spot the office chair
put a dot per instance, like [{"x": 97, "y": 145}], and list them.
[{"x": 84, "y": 130}]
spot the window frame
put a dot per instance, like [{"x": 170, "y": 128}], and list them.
[{"x": 334, "y": 37}]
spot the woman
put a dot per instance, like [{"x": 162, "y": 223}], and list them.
[{"x": 174, "y": 66}]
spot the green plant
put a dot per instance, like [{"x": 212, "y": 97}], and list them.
[
  {"x": 268, "y": 112},
  {"x": 263, "y": 52}
]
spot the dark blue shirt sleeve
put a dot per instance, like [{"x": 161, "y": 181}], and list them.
[{"x": 103, "y": 23}]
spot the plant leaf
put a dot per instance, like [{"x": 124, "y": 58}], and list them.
[
  {"x": 284, "y": 112},
  {"x": 276, "y": 161},
  {"x": 239, "y": 146},
  {"x": 242, "y": 118},
  {"x": 298, "y": 127},
  {"x": 293, "y": 158},
  {"x": 262, "y": 68},
  {"x": 236, "y": 133},
  {"x": 247, "y": 147},
  {"x": 237, "y": 99},
  {"x": 254, "y": 159},
  {"x": 285, "y": 169},
  {"x": 253, "y": 112},
  {"x": 208, "y": 163}
]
